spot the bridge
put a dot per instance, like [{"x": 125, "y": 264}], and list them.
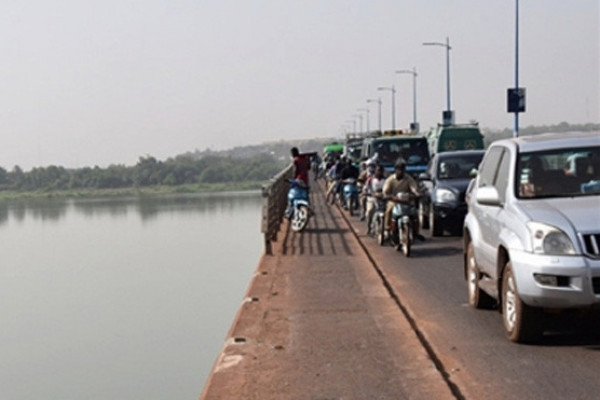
[
  {"x": 320, "y": 322},
  {"x": 329, "y": 314}
]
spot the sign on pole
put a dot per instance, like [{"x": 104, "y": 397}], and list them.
[{"x": 515, "y": 100}]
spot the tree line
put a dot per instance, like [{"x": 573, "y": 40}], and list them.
[{"x": 148, "y": 171}]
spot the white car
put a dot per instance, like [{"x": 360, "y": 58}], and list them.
[{"x": 532, "y": 231}]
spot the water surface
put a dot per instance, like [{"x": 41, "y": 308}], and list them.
[{"x": 121, "y": 298}]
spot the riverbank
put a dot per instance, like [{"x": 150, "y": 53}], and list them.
[{"x": 132, "y": 191}]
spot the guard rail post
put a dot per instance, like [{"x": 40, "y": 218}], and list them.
[{"x": 274, "y": 203}]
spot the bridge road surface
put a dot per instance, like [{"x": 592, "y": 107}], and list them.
[
  {"x": 318, "y": 323},
  {"x": 470, "y": 344}
]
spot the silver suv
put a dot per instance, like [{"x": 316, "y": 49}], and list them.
[{"x": 532, "y": 231}]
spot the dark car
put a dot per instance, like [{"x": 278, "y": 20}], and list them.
[{"x": 443, "y": 207}]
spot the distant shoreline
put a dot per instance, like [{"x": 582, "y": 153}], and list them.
[{"x": 131, "y": 191}]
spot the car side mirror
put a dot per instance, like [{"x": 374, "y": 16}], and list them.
[{"x": 488, "y": 196}]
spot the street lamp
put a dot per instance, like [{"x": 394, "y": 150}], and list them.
[
  {"x": 516, "y": 130},
  {"x": 367, "y": 111},
  {"x": 448, "y": 117},
  {"x": 415, "y": 125},
  {"x": 360, "y": 117},
  {"x": 353, "y": 122},
  {"x": 393, "y": 90},
  {"x": 378, "y": 101}
]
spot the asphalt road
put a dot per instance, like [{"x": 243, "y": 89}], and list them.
[{"x": 470, "y": 344}]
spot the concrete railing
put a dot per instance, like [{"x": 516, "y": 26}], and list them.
[{"x": 274, "y": 203}]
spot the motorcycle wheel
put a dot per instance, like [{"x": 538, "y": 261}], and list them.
[
  {"x": 405, "y": 239},
  {"x": 380, "y": 231},
  {"x": 351, "y": 205},
  {"x": 300, "y": 218},
  {"x": 394, "y": 237}
]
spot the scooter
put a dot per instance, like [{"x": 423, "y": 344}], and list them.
[
  {"x": 404, "y": 215},
  {"x": 298, "y": 210},
  {"x": 350, "y": 191}
]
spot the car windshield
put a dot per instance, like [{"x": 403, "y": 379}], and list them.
[
  {"x": 413, "y": 151},
  {"x": 459, "y": 166},
  {"x": 558, "y": 173}
]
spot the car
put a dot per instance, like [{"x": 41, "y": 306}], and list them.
[
  {"x": 445, "y": 182},
  {"x": 532, "y": 231}
]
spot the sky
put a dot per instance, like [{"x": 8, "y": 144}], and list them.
[{"x": 86, "y": 83}]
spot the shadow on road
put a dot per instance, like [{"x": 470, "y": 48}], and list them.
[{"x": 573, "y": 330}]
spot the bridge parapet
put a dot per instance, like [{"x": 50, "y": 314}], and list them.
[{"x": 274, "y": 203}]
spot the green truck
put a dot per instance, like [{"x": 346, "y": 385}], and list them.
[{"x": 454, "y": 137}]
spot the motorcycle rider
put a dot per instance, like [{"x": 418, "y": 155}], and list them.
[
  {"x": 349, "y": 171},
  {"x": 399, "y": 182},
  {"x": 367, "y": 171},
  {"x": 333, "y": 175},
  {"x": 301, "y": 165},
  {"x": 373, "y": 192}
]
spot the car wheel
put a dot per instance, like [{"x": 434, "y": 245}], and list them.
[
  {"x": 435, "y": 225},
  {"x": 477, "y": 297},
  {"x": 522, "y": 323}
]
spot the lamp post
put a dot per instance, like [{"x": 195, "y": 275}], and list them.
[
  {"x": 353, "y": 122},
  {"x": 448, "y": 117},
  {"x": 360, "y": 119},
  {"x": 393, "y": 90},
  {"x": 378, "y": 101},
  {"x": 516, "y": 130},
  {"x": 415, "y": 124},
  {"x": 367, "y": 111}
]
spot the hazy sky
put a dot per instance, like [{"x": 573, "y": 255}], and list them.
[{"x": 86, "y": 83}]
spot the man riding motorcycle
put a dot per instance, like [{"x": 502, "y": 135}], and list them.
[
  {"x": 399, "y": 182},
  {"x": 373, "y": 192}
]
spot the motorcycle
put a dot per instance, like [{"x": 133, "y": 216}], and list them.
[
  {"x": 350, "y": 195},
  {"x": 298, "y": 210},
  {"x": 404, "y": 215},
  {"x": 378, "y": 218}
]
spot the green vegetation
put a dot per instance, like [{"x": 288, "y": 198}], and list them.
[
  {"x": 240, "y": 168},
  {"x": 149, "y": 176}
]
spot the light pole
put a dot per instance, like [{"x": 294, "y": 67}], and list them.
[
  {"x": 516, "y": 130},
  {"x": 415, "y": 124},
  {"x": 448, "y": 117},
  {"x": 353, "y": 122},
  {"x": 360, "y": 118},
  {"x": 378, "y": 101},
  {"x": 393, "y": 90},
  {"x": 367, "y": 111}
]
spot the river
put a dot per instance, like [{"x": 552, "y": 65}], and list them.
[{"x": 127, "y": 298}]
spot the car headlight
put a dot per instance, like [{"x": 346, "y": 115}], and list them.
[
  {"x": 445, "y": 196},
  {"x": 547, "y": 239}
]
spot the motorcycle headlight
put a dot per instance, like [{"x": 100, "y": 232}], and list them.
[
  {"x": 446, "y": 196},
  {"x": 547, "y": 239}
]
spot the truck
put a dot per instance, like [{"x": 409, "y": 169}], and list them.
[
  {"x": 353, "y": 148},
  {"x": 454, "y": 137},
  {"x": 386, "y": 149}
]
